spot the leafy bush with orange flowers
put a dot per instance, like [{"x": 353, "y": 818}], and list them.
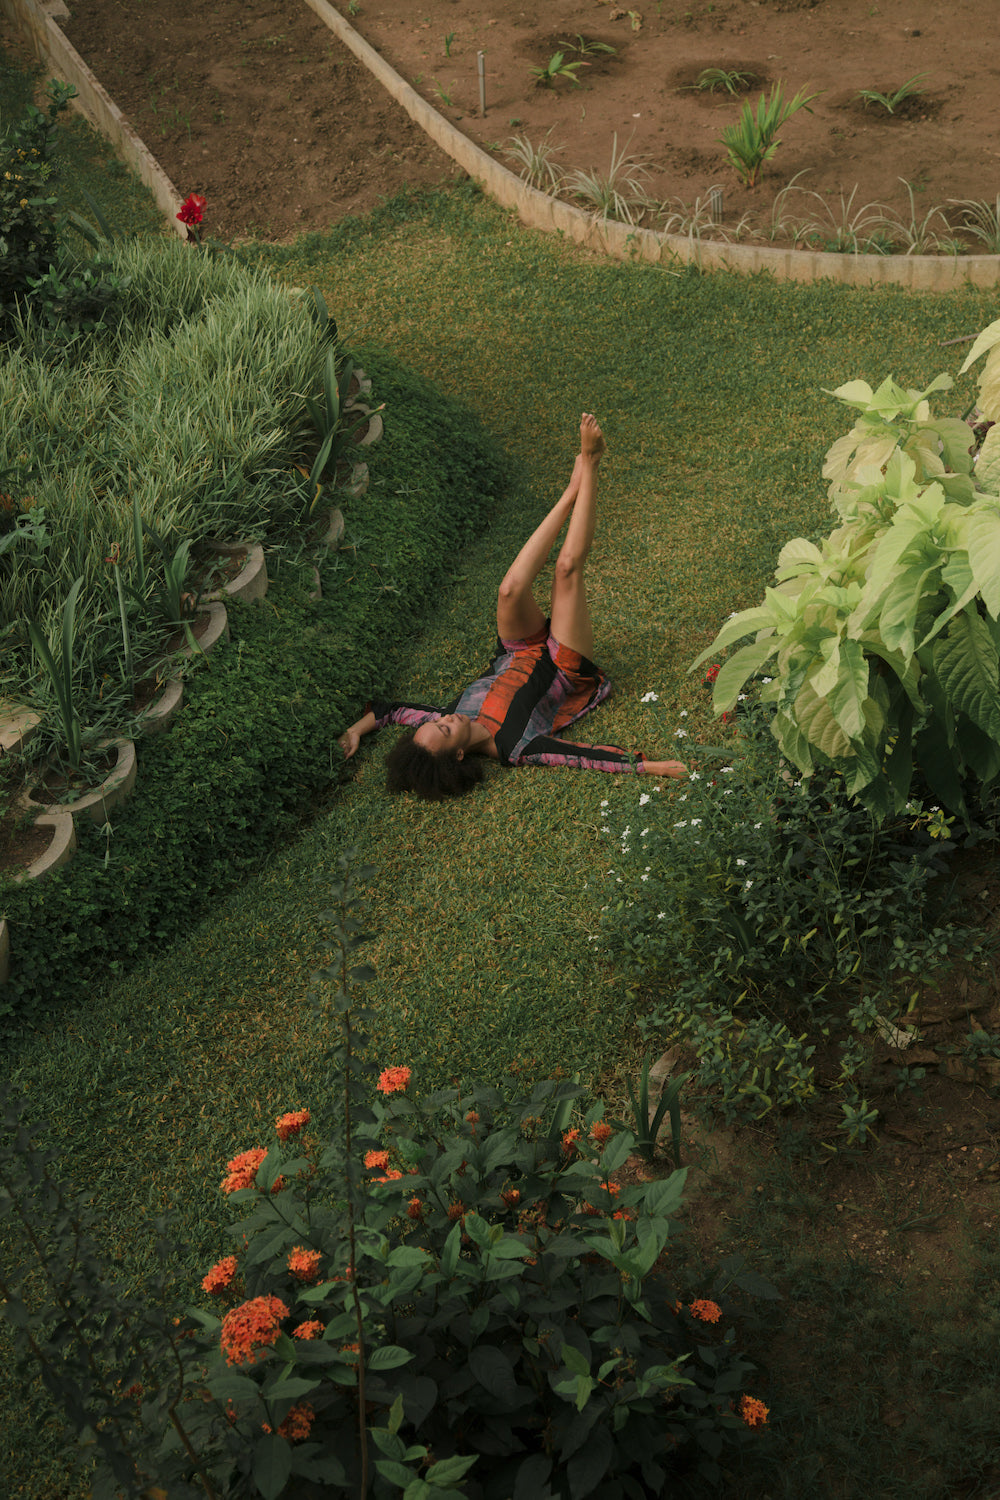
[{"x": 446, "y": 1297}]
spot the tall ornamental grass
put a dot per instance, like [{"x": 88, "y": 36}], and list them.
[{"x": 191, "y": 401}]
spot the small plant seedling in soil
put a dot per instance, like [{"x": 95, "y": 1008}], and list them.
[
  {"x": 557, "y": 67},
  {"x": 710, "y": 80},
  {"x": 891, "y": 102}
]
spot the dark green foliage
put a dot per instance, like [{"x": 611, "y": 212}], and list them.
[
  {"x": 773, "y": 906},
  {"x": 254, "y": 747},
  {"x": 484, "y": 1287}
]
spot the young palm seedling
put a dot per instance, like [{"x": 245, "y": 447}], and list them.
[
  {"x": 558, "y": 67},
  {"x": 732, "y": 80},
  {"x": 891, "y": 102},
  {"x": 754, "y": 138}
]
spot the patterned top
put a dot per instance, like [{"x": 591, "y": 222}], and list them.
[{"x": 531, "y": 690}]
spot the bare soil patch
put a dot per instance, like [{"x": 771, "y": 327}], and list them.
[{"x": 255, "y": 104}]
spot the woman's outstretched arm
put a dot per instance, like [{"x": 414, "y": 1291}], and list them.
[{"x": 351, "y": 738}]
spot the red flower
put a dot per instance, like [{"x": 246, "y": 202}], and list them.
[
  {"x": 192, "y": 209},
  {"x": 711, "y": 673},
  {"x": 220, "y": 1275},
  {"x": 394, "y": 1080},
  {"x": 291, "y": 1124}
]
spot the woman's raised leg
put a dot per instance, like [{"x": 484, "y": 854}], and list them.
[
  {"x": 571, "y": 623},
  {"x": 518, "y": 613}
]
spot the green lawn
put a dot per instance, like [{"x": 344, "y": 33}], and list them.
[{"x": 710, "y": 389}]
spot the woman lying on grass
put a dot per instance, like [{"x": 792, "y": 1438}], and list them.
[{"x": 541, "y": 679}]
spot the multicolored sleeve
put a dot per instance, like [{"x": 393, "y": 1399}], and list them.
[
  {"x": 409, "y": 714},
  {"x": 548, "y": 750}
]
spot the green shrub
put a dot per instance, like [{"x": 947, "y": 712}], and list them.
[
  {"x": 29, "y": 229},
  {"x": 452, "y": 1294},
  {"x": 885, "y": 639},
  {"x": 768, "y": 907}
]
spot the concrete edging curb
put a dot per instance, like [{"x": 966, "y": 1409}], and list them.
[{"x": 539, "y": 211}]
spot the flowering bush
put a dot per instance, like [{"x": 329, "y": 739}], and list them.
[
  {"x": 767, "y": 908},
  {"x": 447, "y": 1297}
]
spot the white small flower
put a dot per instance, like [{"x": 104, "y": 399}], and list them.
[
  {"x": 680, "y": 734},
  {"x": 742, "y": 698},
  {"x": 683, "y": 797},
  {"x": 680, "y": 825},
  {"x": 695, "y": 776},
  {"x": 766, "y": 679},
  {"x": 726, "y": 770},
  {"x": 684, "y": 713},
  {"x": 650, "y": 698},
  {"x": 644, "y": 799},
  {"x": 660, "y": 916},
  {"x": 727, "y": 791},
  {"x": 741, "y": 862},
  {"x": 695, "y": 822},
  {"x": 747, "y": 884},
  {"x": 643, "y": 833},
  {"x": 605, "y": 802},
  {"x": 758, "y": 825},
  {"x": 644, "y": 877}
]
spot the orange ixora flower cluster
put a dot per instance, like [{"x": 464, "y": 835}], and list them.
[
  {"x": 304, "y": 1264},
  {"x": 291, "y": 1124},
  {"x": 296, "y": 1425},
  {"x": 251, "y": 1328},
  {"x": 394, "y": 1080},
  {"x": 376, "y": 1161},
  {"x": 220, "y": 1275},
  {"x": 753, "y": 1412},
  {"x": 242, "y": 1170},
  {"x": 310, "y": 1330},
  {"x": 569, "y": 1140},
  {"x": 708, "y": 1312},
  {"x": 601, "y": 1132}
]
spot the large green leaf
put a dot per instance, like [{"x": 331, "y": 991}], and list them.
[
  {"x": 989, "y": 337},
  {"x": 968, "y": 668},
  {"x": 736, "y": 671},
  {"x": 901, "y": 605},
  {"x": 847, "y": 695},
  {"x": 935, "y": 756},
  {"x": 814, "y": 717},
  {"x": 988, "y": 462}
]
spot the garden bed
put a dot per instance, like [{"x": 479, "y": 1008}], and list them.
[{"x": 252, "y": 104}]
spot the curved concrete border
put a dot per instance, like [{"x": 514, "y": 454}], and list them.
[
  {"x": 929, "y": 273},
  {"x": 250, "y": 583},
  {"x": 53, "y": 49},
  {"x": 114, "y": 790}
]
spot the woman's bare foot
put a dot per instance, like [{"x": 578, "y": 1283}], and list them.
[{"x": 592, "y": 443}]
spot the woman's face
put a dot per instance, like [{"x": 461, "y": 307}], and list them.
[{"x": 450, "y": 732}]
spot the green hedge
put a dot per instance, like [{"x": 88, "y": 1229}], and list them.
[{"x": 253, "y": 749}]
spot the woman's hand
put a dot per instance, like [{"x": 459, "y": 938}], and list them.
[
  {"x": 674, "y": 768},
  {"x": 349, "y": 741},
  {"x": 351, "y": 738}
]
